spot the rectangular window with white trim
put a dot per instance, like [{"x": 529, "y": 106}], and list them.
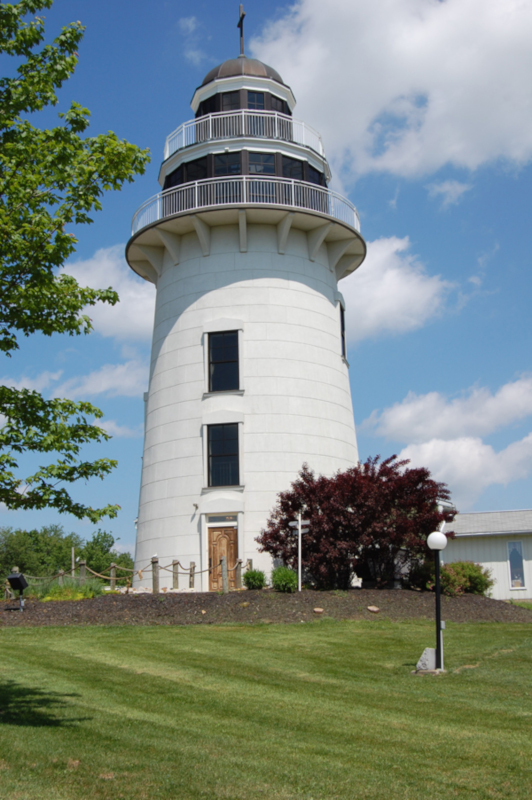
[
  {"x": 516, "y": 565},
  {"x": 223, "y": 452},
  {"x": 223, "y": 361}
]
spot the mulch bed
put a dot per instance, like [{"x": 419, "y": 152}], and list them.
[{"x": 261, "y": 606}]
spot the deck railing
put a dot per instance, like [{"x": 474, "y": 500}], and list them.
[
  {"x": 245, "y": 190},
  {"x": 229, "y": 124}
]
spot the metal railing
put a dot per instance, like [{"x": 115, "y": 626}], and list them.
[
  {"x": 229, "y": 124},
  {"x": 245, "y": 190}
]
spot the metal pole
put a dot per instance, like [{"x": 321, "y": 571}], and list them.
[
  {"x": 73, "y": 564},
  {"x": 225, "y": 581},
  {"x": 299, "y": 552},
  {"x": 438, "y": 609}
]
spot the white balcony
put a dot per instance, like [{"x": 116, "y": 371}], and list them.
[
  {"x": 231, "y": 124},
  {"x": 245, "y": 190}
]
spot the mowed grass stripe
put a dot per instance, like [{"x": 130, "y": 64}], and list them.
[{"x": 327, "y": 710}]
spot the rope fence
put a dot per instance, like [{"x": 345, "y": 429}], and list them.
[{"x": 219, "y": 571}]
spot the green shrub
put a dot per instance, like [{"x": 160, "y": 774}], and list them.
[
  {"x": 284, "y": 579},
  {"x": 473, "y": 578},
  {"x": 457, "y": 578},
  {"x": 254, "y": 579}
]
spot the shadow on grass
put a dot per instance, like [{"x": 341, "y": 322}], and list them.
[{"x": 22, "y": 705}]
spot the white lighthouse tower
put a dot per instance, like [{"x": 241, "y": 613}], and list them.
[{"x": 249, "y": 379}]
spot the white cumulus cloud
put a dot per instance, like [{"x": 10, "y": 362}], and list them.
[
  {"x": 114, "y": 380},
  {"x": 38, "y": 383},
  {"x": 391, "y": 292},
  {"x": 469, "y": 466},
  {"x": 478, "y": 412},
  {"x": 450, "y": 192},
  {"x": 121, "y": 431},
  {"x": 408, "y": 86},
  {"x": 132, "y": 317}
]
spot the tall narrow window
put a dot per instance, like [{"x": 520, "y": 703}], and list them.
[
  {"x": 342, "y": 331},
  {"x": 223, "y": 361},
  {"x": 515, "y": 560},
  {"x": 223, "y": 455}
]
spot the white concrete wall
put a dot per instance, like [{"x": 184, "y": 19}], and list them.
[
  {"x": 492, "y": 552},
  {"x": 295, "y": 405}
]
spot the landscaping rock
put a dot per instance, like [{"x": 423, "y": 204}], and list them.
[{"x": 374, "y": 609}]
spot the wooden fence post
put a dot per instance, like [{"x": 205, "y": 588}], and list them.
[
  {"x": 60, "y": 578},
  {"x": 239, "y": 574},
  {"x": 113, "y": 575},
  {"x": 175, "y": 574},
  {"x": 155, "y": 575},
  {"x": 192, "y": 572},
  {"x": 82, "y": 571},
  {"x": 225, "y": 581}
]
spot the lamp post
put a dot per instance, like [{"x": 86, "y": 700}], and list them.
[
  {"x": 438, "y": 541},
  {"x": 300, "y": 525}
]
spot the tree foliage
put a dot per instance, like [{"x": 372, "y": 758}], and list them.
[
  {"x": 50, "y": 180},
  {"x": 372, "y": 519}
]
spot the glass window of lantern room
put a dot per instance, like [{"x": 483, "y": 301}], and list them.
[
  {"x": 261, "y": 164},
  {"x": 223, "y": 455},
  {"x": 277, "y": 104},
  {"x": 207, "y": 107},
  {"x": 256, "y": 100},
  {"x": 292, "y": 168},
  {"x": 230, "y": 101},
  {"x": 223, "y": 361},
  {"x": 516, "y": 564},
  {"x": 196, "y": 170},
  {"x": 227, "y": 164},
  {"x": 315, "y": 176}
]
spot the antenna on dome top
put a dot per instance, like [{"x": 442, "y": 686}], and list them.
[{"x": 241, "y": 26}]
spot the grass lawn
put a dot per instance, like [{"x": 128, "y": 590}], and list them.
[{"x": 312, "y": 712}]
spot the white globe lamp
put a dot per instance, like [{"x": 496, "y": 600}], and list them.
[{"x": 437, "y": 540}]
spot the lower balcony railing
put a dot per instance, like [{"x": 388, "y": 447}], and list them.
[{"x": 245, "y": 190}]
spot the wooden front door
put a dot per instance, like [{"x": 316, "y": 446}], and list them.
[{"x": 222, "y": 542}]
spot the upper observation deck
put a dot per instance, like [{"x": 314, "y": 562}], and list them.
[{"x": 243, "y": 123}]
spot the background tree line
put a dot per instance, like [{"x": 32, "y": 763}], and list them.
[{"x": 44, "y": 552}]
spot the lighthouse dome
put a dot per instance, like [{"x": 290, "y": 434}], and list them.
[{"x": 242, "y": 66}]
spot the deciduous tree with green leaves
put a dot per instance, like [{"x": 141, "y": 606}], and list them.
[{"x": 50, "y": 180}]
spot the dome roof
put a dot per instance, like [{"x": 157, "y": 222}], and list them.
[{"x": 242, "y": 66}]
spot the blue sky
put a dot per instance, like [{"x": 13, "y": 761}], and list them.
[{"x": 425, "y": 109}]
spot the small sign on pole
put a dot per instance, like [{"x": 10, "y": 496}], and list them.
[{"x": 300, "y": 525}]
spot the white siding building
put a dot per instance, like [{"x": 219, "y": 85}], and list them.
[
  {"x": 500, "y": 541},
  {"x": 248, "y": 379}
]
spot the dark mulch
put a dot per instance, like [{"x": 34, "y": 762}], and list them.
[{"x": 261, "y": 606}]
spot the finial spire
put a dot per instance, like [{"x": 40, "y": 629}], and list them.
[{"x": 241, "y": 26}]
